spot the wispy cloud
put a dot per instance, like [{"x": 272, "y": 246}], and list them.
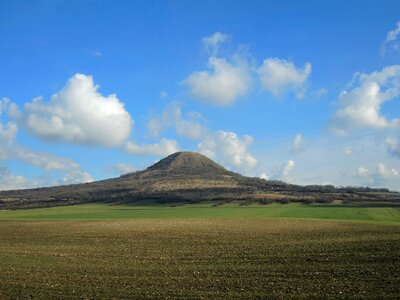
[
  {"x": 393, "y": 145},
  {"x": 391, "y": 42},
  {"x": 10, "y": 149},
  {"x": 297, "y": 143},
  {"x": 212, "y": 42},
  {"x": 163, "y": 148}
]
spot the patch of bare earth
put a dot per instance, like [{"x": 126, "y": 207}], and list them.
[{"x": 198, "y": 258}]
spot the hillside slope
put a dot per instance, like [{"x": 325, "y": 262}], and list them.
[{"x": 185, "y": 177}]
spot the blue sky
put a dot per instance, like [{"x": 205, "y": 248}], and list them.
[{"x": 302, "y": 91}]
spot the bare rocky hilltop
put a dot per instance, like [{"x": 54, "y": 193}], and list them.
[{"x": 186, "y": 177}]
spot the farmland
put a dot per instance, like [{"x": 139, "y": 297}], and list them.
[
  {"x": 368, "y": 212},
  {"x": 231, "y": 251}
]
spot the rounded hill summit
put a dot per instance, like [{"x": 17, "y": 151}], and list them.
[{"x": 188, "y": 163}]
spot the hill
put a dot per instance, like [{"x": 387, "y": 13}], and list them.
[{"x": 187, "y": 177}]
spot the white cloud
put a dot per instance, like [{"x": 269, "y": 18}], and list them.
[
  {"x": 279, "y": 76},
  {"x": 297, "y": 143},
  {"x": 362, "y": 171},
  {"x": 392, "y": 35},
  {"x": 383, "y": 171},
  {"x": 288, "y": 167},
  {"x": 211, "y": 43},
  {"x": 223, "y": 146},
  {"x": 163, "y": 148},
  {"x": 360, "y": 107},
  {"x": 76, "y": 176},
  {"x": 42, "y": 160},
  {"x": 229, "y": 79},
  {"x": 264, "y": 176},
  {"x": 187, "y": 126},
  {"x": 9, "y": 130},
  {"x": 4, "y": 104},
  {"x": 9, "y": 181},
  {"x": 229, "y": 149},
  {"x": 380, "y": 176},
  {"x": 324, "y": 161},
  {"x": 10, "y": 108},
  {"x": 80, "y": 114},
  {"x": 392, "y": 41},
  {"x": 11, "y": 150},
  {"x": 223, "y": 85},
  {"x": 282, "y": 172},
  {"x": 393, "y": 146}
]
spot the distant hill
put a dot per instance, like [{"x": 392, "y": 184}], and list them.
[{"x": 187, "y": 177}]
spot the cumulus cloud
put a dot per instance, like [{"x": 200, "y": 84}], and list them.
[
  {"x": 391, "y": 42},
  {"x": 264, "y": 176},
  {"x": 223, "y": 146},
  {"x": 8, "y": 132},
  {"x": 393, "y": 145},
  {"x": 163, "y": 148},
  {"x": 279, "y": 77},
  {"x": 230, "y": 78},
  {"x": 78, "y": 113},
  {"x": 227, "y": 78},
  {"x": 11, "y": 150},
  {"x": 223, "y": 84},
  {"x": 359, "y": 108},
  {"x": 229, "y": 149},
  {"x": 211, "y": 43}
]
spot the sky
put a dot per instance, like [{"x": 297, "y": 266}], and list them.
[{"x": 307, "y": 92}]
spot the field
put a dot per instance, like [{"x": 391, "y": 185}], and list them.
[
  {"x": 200, "y": 251},
  {"x": 368, "y": 212}
]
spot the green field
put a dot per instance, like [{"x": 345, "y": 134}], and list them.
[
  {"x": 373, "y": 213},
  {"x": 200, "y": 251}
]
